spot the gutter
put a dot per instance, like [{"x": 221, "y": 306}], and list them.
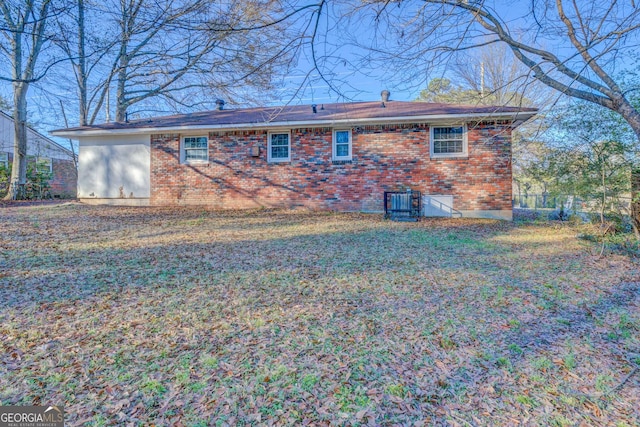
[{"x": 441, "y": 118}]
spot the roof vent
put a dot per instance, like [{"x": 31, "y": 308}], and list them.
[
  {"x": 385, "y": 95},
  {"x": 219, "y": 104},
  {"x": 314, "y": 107}
]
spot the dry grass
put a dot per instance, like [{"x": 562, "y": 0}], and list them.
[{"x": 194, "y": 317}]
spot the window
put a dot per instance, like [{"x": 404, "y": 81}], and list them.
[
  {"x": 195, "y": 149},
  {"x": 40, "y": 164},
  {"x": 4, "y": 159},
  {"x": 44, "y": 165},
  {"x": 279, "y": 149},
  {"x": 449, "y": 141},
  {"x": 341, "y": 145}
]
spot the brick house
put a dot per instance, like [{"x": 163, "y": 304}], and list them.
[
  {"x": 47, "y": 154},
  {"x": 340, "y": 157}
]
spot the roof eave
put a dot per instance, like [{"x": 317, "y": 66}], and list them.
[{"x": 440, "y": 118}]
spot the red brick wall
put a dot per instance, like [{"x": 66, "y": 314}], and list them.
[
  {"x": 64, "y": 181},
  {"x": 385, "y": 157},
  {"x": 65, "y": 178}
]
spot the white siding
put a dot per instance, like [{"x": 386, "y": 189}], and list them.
[
  {"x": 108, "y": 163},
  {"x": 37, "y": 144}
]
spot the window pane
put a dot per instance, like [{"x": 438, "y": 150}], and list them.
[
  {"x": 342, "y": 137},
  {"x": 342, "y": 144},
  {"x": 196, "y": 148},
  {"x": 444, "y": 147},
  {"x": 196, "y": 154},
  {"x": 279, "y": 145},
  {"x": 448, "y": 133},
  {"x": 280, "y": 139},
  {"x": 448, "y": 140},
  {"x": 279, "y": 152},
  {"x": 43, "y": 164},
  {"x": 195, "y": 142}
]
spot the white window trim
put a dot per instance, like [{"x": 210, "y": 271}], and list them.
[
  {"x": 4, "y": 159},
  {"x": 278, "y": 159},
  {"x": 183, "y": 151},
  {"x": 465, "y": 142},
  {"x": 334, "y": 148}
]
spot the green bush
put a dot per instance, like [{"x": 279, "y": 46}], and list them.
[
  {"x": 5, "y": 175},
  {"x": 37, "y": 181}
]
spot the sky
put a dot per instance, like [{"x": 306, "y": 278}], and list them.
[{"x": 351, "y": 76}]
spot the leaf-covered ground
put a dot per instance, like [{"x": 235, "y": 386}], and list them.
[{"x": 134, "y": 316}]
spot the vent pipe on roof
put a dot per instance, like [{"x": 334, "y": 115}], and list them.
[
  {"x": 314, "y": 107},
  {"x": 219, "y": 104},
  {"x": 385, "y": 94}
]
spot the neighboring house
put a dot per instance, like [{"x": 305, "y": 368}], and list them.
[
  {"x": 47, "y": 154},
  {"x": 339, "y": 157}
]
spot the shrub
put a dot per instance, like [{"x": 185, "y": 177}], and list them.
[
  {"x": 5, "y": 175},
  {"x": 38, "y": 179}
]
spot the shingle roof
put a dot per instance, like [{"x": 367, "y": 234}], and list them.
[{"x": 325, "y": 113}]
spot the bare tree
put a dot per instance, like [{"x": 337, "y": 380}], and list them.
[
  {"x": 492, "y": 73},
  {"x": 589, "y": 41},
  {"x": 5, "y": 105},
  {"x": 87, "y": 43},
  {"x": 24, "y": 33},
  {"x": 489, "y": 75},
  {"x": 635, "y": 196},
  {"x": 170, "y": 54},
  {"x": 593, "y": 39},
  {"x": 575, "y": 48}
]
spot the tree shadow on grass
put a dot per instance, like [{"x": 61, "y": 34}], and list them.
[
  {"x": 237, "y": 243},
  {"x": 385, "y": 303}
]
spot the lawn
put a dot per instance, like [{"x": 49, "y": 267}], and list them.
[{"x": 134, "y": 316}]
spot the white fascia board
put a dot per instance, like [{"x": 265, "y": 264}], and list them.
[{"x": 440, "y": 118}]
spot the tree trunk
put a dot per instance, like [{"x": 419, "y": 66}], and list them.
[
  {"x": 635, "y": 200},
  {"x": 81, "y": 71},
  {"x": 123, "y": 65},
  {"x": 604, "y": 192},
  {"x": 31, "y": 26},
  {"x": 632, "y": 116},
  {"x": 19, "y": 168},
  {"x": 121, "y": 98}
]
